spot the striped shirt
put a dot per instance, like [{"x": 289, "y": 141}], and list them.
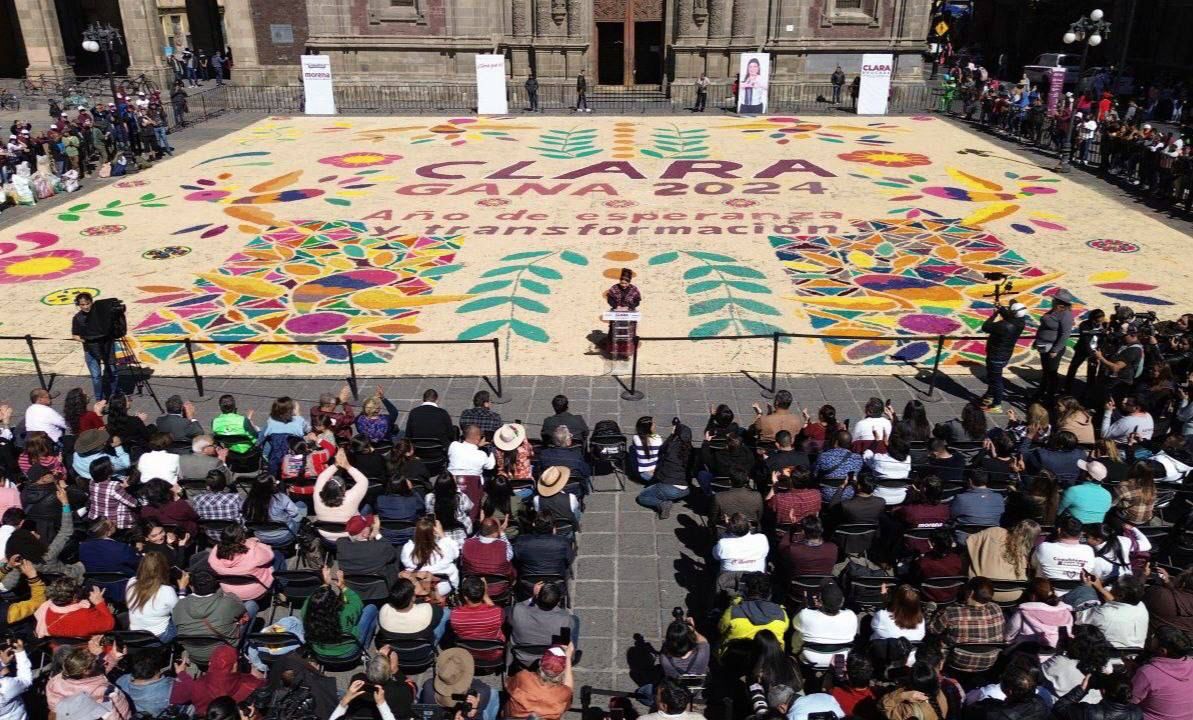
[
  {"x": 646, "y": 457},
  {"x": 478, "y": 622}
]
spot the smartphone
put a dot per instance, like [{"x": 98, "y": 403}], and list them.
[{"x": 563, "y": 638}]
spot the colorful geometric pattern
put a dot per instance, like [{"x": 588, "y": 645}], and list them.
[
  {"x": 314, "y": 278},
  {"x": 906, "y": 277},
  {"x": 1116, "y": 285},
  {"x": 1113, "y": 246}
]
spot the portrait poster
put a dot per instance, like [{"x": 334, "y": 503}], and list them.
[{"x": 753, "y": 80}]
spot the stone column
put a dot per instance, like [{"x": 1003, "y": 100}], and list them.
[
  {"x": 43, "y": 39},
  {"x": 720, "y": 18},
  {"x": 144, "y": 38},
  {"x": 520, "y": 18},
  {"x": 242, "y": 38},
  {"x": 745, "y": 20}
]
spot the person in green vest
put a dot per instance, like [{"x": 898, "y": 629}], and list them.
[{"x": 231, "y": 424}]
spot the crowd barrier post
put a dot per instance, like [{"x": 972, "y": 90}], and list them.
[
  {"x": 351, "y": 369},
  {"x": 501, "y": 399},
  {"x": 41, "y": 379},
  {"x": 634, "y": 393},
  {"x": 931, "y": 395},
  {"x": 190, "y": 356},
  {"x": 769, "y": 393}
]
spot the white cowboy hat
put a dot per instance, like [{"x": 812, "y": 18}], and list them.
[
  {"x": 553, "y": 479},
  {"x": 509, "y": 436}
]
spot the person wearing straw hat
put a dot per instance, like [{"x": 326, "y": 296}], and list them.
[
  {"x": 455, "y": 683},
  {"x": 514, "y": 456},
  {"x": 549, "y": 495}
]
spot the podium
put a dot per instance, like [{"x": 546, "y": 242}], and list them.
[{"x": 623, "y": 330}]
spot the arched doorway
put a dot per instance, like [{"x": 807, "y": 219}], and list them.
[{"x": 629, "y": 42}]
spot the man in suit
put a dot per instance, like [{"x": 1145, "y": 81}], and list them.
[
  {"x": 562, "y": 452},
  {"x": 203, "y": 458},
  {"x": 575, "y": 423},
  {"x": 179, "y": 420},
  {"x": 430, "y": 422}
]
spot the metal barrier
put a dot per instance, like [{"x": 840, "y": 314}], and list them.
[
  {"x": 348, "y": 344},
  {"x": 355, "y": 98},
  {"x": 633, "y": 393}
]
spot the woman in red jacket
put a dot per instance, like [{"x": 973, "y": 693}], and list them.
[
  {"x": 67, "y": 614},
  {"x": 221, "y": 678}
]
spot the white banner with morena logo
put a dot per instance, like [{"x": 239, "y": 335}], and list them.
[
  {"x": 875, "y": 87},
  {"x": 320, "y": 98}
]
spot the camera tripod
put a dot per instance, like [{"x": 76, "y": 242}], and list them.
[{"x": 126, "y": 361}]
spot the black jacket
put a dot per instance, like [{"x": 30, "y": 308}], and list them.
[
  {"x": 542, "y": 555},
  {"x": 672, "y": 467},
  {"x": 1070, "y": 707},
  {"x": 427, "y": 422},
  {"x": 992, "y": 709},
  {"x": 1004, "y": 329}
]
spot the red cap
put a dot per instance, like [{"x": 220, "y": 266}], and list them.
[
  {"x": 554, "y": 661},
  {"x": 359, "y": 523}
]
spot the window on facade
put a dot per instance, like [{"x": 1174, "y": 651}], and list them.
[
  {"x": 395, "y": 11},
  {"x": 852, "y": 12},
  {"x": 848, "y": 4}
]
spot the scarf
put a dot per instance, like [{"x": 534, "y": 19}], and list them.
[{"x": 40, "y": 614}]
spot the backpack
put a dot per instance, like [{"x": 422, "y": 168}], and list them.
[{"x": 293, "y": 703}]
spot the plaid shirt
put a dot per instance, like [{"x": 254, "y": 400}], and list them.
[
  {"x": 1132, "y": 507},
  {"x": 794, "y": 505},
  {"x": 484, "y": 418},
  {"x": 110, "y": 500},
  {"x": 970, "y": 624},
  {"x": 217, "y": 506}
]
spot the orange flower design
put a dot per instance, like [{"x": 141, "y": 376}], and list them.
[{"x": 886, "y": 158}]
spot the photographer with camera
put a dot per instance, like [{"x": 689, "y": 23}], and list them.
[
  {"x": 1089, "y": 333},
  {"x": 1125, "y": 367},
  {"x": 1004, "y": 326},
  {"x": 94, "y": 330},
  {"x": 1053, "y": 334}
]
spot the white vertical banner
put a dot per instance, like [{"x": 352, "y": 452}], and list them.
[
  {"x": 876, "y": 83},
  {"x": 753, "y": 78},
  {"x": 491, "y": 97},
  {"x": 316, "y": 85}
]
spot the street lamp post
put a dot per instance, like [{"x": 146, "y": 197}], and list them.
[
  {"x": 1089, "y": 31},
  {"x": 103, "y": 39}
]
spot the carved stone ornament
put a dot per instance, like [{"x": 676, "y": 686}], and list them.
[
  {"x": 559, "y": 11},
  {"x": 700, "y": 11}
]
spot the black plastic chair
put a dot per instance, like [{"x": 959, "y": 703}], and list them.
[
  {"x": 609, "y": 454},
  {"x": 867, "y": 593},
  {"x": 802, "y": 588},
  {"x": 136, "y": 639},
  {"x": 339, "y": 663},
  {"x": 951, "y": 584},
  {"x": 245, "y": 463},
  {"x": 1002, "y": 587},
  {"x": 482, "y": 652},
  {"x": 855, "y": 538},
  {"x": 432, "y": 452},
  {"x": 297, "y": 586},
  {"x": 273, "y": 641},
  {"x": 369, "y": 587},
  {"x": 414, "y": 655}
]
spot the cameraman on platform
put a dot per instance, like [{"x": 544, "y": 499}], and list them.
[
  {"x": 1004, "y": 325},
  {"x": 98, "y": 349}
]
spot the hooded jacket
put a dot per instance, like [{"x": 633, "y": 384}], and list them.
[
  {"x": 1169, "y": 606},
  {"x": 1040, "y": 622},
  {"x": 96, "y": 687},
  {"x": 674, "y": 453},
  {"x": 746, "y": 618},
  {"x": 1161, "y": 689},
  {"x": 256, "y": 561},
  {"x": 217, "y": 614},
  {"x": 220, "y": 679},
  {"x": 1004, "y": 329}
]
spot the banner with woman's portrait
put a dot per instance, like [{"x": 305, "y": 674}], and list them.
[{"x": 752, "y": 80}]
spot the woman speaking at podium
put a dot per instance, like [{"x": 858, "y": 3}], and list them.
[{"x": 623, "y": 297}]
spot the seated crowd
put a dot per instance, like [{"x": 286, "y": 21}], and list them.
[{"x": 892, "y": 569}]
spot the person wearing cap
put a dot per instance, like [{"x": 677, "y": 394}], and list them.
[
  {"x": 550, "y": 496},
  {"x": 1004, "y": 326},
  {"x": 1087, "y": 501},
  {"x": 1051, "y": 337},
  {"x": 363, "y": 552},
  {"x": 455, "y": 683},
  {"x": 545, "y": 693}
]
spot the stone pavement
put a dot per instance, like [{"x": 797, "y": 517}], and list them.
[{"x": 632, "y": 568}]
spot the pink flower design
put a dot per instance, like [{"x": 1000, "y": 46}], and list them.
[
  {"x": 132, "y": 183},
  {"x": 44, "y": 265},
  {"x": 620, "y": 203},
  {"x": 741, "y": 202},
  {"x": 359, "y": 159},
  {"x": 492, "y": 202}
]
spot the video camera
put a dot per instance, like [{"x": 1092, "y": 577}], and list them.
[
  {"x": 106, "y": 321},
  {"x": 435, "y": 711},
  {"x": 1003, "y": 285}
]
